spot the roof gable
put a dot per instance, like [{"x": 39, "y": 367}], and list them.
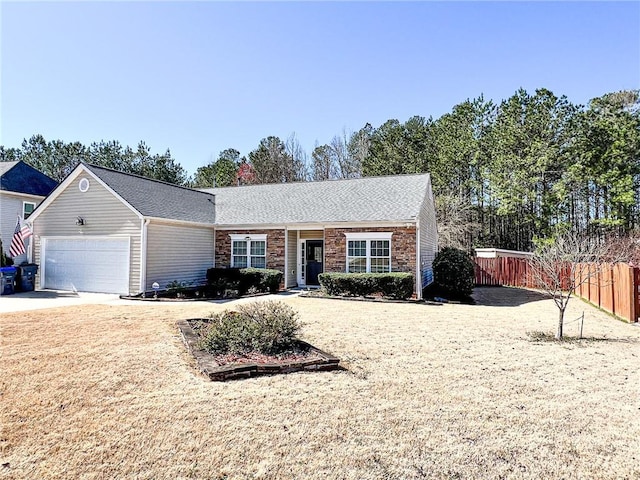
[
  {"x": 153, "y": 198},
  {"x": 368, "y": 199},
  {"x": 22, "y": 178}
]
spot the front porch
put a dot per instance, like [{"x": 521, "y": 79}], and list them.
[{"x": 305, "y": 258}]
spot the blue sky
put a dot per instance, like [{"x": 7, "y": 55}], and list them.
[{"x": 199, "y": 77}]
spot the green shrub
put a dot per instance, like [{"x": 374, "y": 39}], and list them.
[
  {"x": 5, "y": 260},
  {"x": 177, "y": 288},
  {"x": 266, "y": 327},
  {"x": 393, "y": 285},
  {"x": 243, "y": 280},
  {"x": 260, "y": 279},
  {"x": 453, "y": 273}
]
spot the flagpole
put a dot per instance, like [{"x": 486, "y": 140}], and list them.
[{"x": 30, "y": 246}]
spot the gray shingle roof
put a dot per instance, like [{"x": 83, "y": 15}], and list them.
[
  {"x": 153, "y": 198},
  {"x": 370, "y": 199},
  {"x": 22, "y": 178}
]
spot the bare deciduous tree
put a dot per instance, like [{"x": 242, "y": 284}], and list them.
[
  {"x": 323, "y": 166},
  {"x": 456, "y": 226},
  {"x": 297, "y": 166},
  {"x": 558, "y": 266}
]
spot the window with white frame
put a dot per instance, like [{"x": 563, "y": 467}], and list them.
[
  {"x": 27, "y": 209},
  {"x": 369, "y": 252},
  {"x": 249, "y": 251}
]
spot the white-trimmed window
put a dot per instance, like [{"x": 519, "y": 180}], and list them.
[
  {"x": 27, "y": 209},
  {"x": 369, "y": 252},
  {"x": 248, "y": 251}
]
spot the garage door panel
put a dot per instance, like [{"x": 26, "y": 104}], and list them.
[{"x": 87, "y": 265}]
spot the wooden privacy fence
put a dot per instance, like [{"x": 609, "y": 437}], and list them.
[{"x": 615, "y": 289}]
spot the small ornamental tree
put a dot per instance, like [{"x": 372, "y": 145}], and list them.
[
  {"x": 453, "y": 272},
  {"x": 562, "y": 264}
]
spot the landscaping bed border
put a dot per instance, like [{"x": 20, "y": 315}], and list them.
[{"x": 321, "y": 361}]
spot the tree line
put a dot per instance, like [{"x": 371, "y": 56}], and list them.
[
  {"x": 503, "y": 173},
  {"x": 57, "y": 159}
]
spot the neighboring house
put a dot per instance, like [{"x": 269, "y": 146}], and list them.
[
  {"x": 103, "y": 230},
  {"x": 22, "y": 188}
]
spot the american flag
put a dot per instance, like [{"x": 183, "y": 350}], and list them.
[
  {"x": 17, "y": 245},
  {"x": 25, "y": 231}
]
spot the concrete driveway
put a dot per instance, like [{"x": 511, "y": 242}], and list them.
[{"x": 40, "y": 299}]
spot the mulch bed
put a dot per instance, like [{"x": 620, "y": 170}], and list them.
[
  {"x": 165, "y": 297},
  {"x": 303, "y": 357},
  {"x": 379, "y": 299}
]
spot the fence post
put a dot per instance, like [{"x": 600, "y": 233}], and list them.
[{"x": 636, "y": 293}]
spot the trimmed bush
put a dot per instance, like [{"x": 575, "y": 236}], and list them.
[
  {"x": 265, "y": 327},
  {"x": 243, "y": 280},
  {"x": 260, "y": 279},
  {"x": 393, "y": 285},
  {"x": 453, "y": 273}
]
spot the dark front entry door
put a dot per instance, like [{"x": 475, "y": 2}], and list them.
[{"x": 313, "y": 257}]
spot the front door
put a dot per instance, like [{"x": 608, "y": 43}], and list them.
[{"x": 313, "y": 261}]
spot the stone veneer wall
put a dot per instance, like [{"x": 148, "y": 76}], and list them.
[
  {"x": 275, "y": 247},
  {"x": 403, "y": 248}
]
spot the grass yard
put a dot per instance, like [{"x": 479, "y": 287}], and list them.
[{"x": 452, "y": 391}]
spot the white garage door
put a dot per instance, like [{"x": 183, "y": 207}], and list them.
[{"x": 86, "y": 264}]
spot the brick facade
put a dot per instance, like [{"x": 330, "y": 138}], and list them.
[
  {"x": 403, "y": 248},
  {"x": 275, "y": 247}
]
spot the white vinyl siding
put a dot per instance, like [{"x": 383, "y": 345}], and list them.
[
  {"x": 292, "y": 258},
  {"x": 12, "y": 206},
  {"x": 104, "y": 216},
  {"x": 428, "y": 235},
  {"x": 178, "y": 252}
]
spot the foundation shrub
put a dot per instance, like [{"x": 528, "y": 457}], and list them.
[
  {"x": 393, "y": 285},
  {"x": 453, "y": 273},
  {"x": 261, "y": 279},
  {"x": 242, "y": 280},
  {"x": 266, "y": 327}
]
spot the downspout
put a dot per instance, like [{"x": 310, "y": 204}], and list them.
[
  {"x": 286, "y": 258},
  {"x": 143, "y": 255},
  {"x": 418, "y": 265},
  {"x": 214, "y": 247}
]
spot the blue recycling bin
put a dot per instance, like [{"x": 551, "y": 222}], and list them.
[
  {"x": 7, "y": 277},
  {"x": 26, "y": 277}
]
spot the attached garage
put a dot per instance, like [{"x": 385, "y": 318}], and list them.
[
  {"x": 91, "y": 264},
  {"x": 110, "y": 232}
]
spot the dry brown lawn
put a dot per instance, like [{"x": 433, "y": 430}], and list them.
[{"x": 452, "y": 391}]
